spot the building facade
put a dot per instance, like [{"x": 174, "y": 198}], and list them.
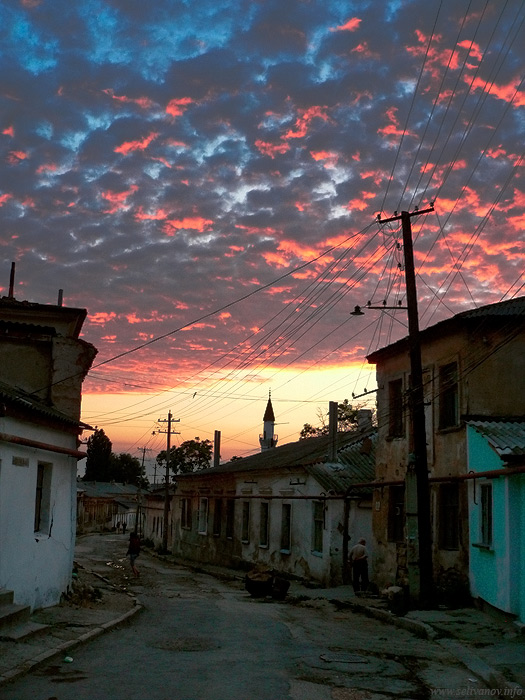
[
  {"x": 473, "y": 366},
  {"x": 42, "y": 365}
]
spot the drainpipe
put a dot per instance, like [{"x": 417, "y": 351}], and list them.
[{"x": 217, "y": 448}]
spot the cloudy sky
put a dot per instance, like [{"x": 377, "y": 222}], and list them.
[{"x": 205, "y": 178}]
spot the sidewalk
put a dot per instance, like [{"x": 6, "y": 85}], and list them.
[{"x": 492, "y": 650}]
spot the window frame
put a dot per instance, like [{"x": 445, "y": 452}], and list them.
[
  {"x": 217, "y": 517},
  {"x": 230, "y": 518},
  {"x": 42, "y": 515},
  {"x": 246, "y": 522},
  {"x": 186, "y": 513},
  {"x": 264, "y": 524},
  {"x": 286, "y": 528},
  {"x": 203, "y": 515},
  {"x": 318, "y": 526},
  {"x": 486, "y": 518}
]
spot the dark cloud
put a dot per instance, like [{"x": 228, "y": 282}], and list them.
[{"x": 161, "y": 161}]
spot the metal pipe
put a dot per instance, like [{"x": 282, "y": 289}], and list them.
[{"x": 15, "y": 439}]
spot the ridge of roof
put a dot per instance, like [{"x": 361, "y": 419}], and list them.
[
  {"x": 509, "y": 308},
  {"x": 302, "y": 453}
]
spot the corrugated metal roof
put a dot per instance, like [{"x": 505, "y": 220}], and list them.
[
  {"x": 505, "y": 436},
  {"x": 355, "y": 452},
  {"x": 94, "y": 489}
]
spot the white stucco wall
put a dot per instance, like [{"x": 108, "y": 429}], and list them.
[{"x": 37, "y": 566}]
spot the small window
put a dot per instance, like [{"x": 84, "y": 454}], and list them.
[
  {"x": 245, "y": 535},
  {"x": 286, "y": 527},
  {"x": 449, "y": 516},
  {"x": 217, "y": 517},
  {"x": 396, "y": 513},
  {"x": 318, "y": 527},
  {"x": 230, "y": 521},
  {"x": 486, "y": 514},
  {"x": 185, "y": 516},
  {"x": 43, "y": 497},
  {"x": 448, "y": 395},
  {"x": 395, "y": 408},
  {"x": 264, "y": 525},
  {"x": 203, "y": 516}
]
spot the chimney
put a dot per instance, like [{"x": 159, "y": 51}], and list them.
[
  {"x": 217, "y": 448},
  {"x": 12, "y": 281},
  {"x": 332, "y": 431},
  {"x": 60, "y": 297},
  {"x": 364, "y": 419}
]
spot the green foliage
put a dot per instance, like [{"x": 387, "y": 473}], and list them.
[
  {"x": 190, "y": 456},
  {"x": 346, "y": 420},
  {"x": 98, "y": 457},
  {"x": 103, "y": 465}
]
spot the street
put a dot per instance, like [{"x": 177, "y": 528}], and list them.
[{"x": 200, "y": 638}]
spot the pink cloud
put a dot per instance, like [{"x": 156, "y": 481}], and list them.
[
  {"x": 46, "y": 167},
  {"x": 303, "y": 121},
  {"x": 130, "y": 146},
  {"x": 118, "y": 199},
  {"x": 100, "y": 318},
  {"x": 5, "y": 198},
  {"x": 15, "y": 157},
  {"x": 349, "y": 26},
  {"x": 9, "y": 131},
  {"x": 271, "y": 149},
  {"x": 143, "y": 102},
  {"x": 194, "y": 223},
  {"x": 177, "y": 107},
  {"x": 158, "y": 215}
]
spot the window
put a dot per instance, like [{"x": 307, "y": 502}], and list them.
[
  {"x": 185, "y": 516},
  {"x": 318, "y": 526},
  {"x": 448, "y": 395},
  {"x": 43, "y": 497},
  {"x": 395, "y": 408},
  {"x": 286, "y": 527},
  {"x": 230, "y": 513},
  {"x": 245, "y": 535},
  {"x": 449, "y": 516},
  {"x": 396, "y": 513},
  {"x": 203, "y": 516},
  {"x": 217, "y": 517},
  {"x": 486, "y": 514},
  {"x": 264, "y": 524}
]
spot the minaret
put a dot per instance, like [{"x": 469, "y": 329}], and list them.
[{"x": 268, "y": 439}]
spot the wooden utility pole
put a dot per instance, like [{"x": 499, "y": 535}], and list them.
[
  {"x": 419, "y": 555},
  {"x": 169, "y": 433}
]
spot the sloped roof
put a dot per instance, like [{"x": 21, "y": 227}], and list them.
[
  {"x": 355, "y": 454},
  {"x": 506, "y": 437},
  {"x": 97, "y": 489},
  {"x": 29, "y": 402},
  {"x": 500, "y": 312},
  {"x": 268, "y": 414}
]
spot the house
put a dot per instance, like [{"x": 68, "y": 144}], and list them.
[
  {"x": 496, "y": 458},
  {"x": 291, "y": 508},
  {"x": 473, "y": 366},
  {"x": 102, "y": 506},
  {"x": 43, "y": 362}
]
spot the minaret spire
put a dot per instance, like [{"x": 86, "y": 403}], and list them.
[{"x": 268, "y": 439}]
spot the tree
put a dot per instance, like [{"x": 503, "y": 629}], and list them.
[
  {"x": 189, "y": 456},
  {"x": 127, "y": 469},
  {"x": 98, "y": 467},
  {"x": 346, "y": 421}
]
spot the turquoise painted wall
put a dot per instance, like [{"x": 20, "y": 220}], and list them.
[{"x": 497, "y": 574}]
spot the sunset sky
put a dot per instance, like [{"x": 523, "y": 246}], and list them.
[{"x": 204, "y": 178}]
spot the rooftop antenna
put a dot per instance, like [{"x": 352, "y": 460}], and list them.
[{"x": 12, "y": 281}]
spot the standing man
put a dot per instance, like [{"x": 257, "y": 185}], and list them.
[
  {"x": 359, "y": 561},
  {"x": 134, "y": 551}
]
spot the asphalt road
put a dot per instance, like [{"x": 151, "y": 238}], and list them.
[{"x": 200, "y": 638}]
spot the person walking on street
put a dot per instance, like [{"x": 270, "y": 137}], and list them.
[
  {"x": 134, "y": 551},
  {"x": 359, "y": 561}
]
